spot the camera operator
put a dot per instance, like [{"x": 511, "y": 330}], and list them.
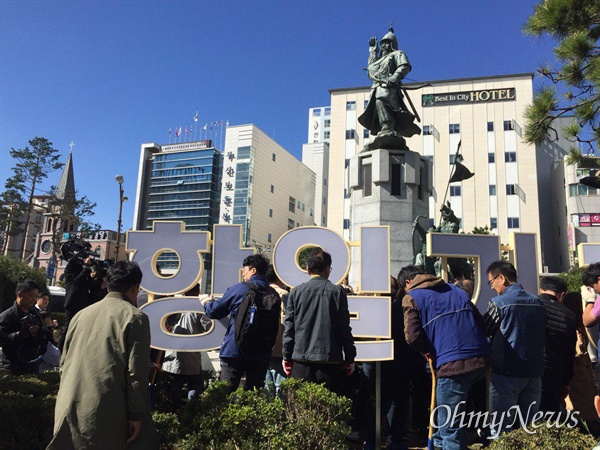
[
  {"x": 79, "y": 283},
  {"x": 23, "y": 336}
]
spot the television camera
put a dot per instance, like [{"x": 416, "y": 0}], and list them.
[{"x": 81, "y": 250}]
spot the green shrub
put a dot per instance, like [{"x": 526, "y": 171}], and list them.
[
  {"x": 12, "y": 271},
  {"x": 544, "y": 439},
  {"x": 27, "y": 405},
  {"x": 167, "y": 429},
  {"x": 315, "y": 417},
  {"x": 574, "y": 278},
  {"x": 307, "y": 416}
]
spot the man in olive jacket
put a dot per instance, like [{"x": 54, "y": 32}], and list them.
[
  {"x": 317, "y": 340},
  {"x": 103, "y": 396}
]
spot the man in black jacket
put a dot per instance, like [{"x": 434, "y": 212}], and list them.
[
  {"x": 22, "y": 334},
  {"x": 78, "y": 283},
  {"x": 559, "y": 350},
  {"x": 317, "y": 340}
]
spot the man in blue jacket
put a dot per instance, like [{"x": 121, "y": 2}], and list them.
[
  {"x": 234, "y": 363},
  {"x": 516, "y": 322},
  {"x": 441, "y": 321}
]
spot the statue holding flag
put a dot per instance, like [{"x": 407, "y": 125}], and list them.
[{"x": 386, "y": 115}]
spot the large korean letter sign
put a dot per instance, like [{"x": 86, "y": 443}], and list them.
[{"x": 370, "y": 316}]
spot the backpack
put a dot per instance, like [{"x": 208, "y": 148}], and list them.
[{"x": 257, "y": 321}]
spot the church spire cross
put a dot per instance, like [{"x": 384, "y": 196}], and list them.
[{"x": 72, "y": 144}]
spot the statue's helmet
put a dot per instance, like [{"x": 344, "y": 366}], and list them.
[{"x": 391, "y": 37}]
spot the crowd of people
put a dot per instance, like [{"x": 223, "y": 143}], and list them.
[{"x": 528, "y": 354}]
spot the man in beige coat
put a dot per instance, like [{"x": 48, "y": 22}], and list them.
[{"x": 103, "y": 396}]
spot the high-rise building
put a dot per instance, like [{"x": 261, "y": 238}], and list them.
[
  {"x": 179, "y": 182},
  {"x": 486, "y": 116},
  {"x": 319, "y": 124},
  {"x": 265, "y": 188}
]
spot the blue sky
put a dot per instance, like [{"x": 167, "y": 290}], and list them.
[{"x": 111, "y": 75}]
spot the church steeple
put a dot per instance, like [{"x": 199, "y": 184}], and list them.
[{"x": 66, "y": 185}]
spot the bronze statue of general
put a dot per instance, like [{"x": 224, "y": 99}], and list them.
[{"x": 386, "y": 115}]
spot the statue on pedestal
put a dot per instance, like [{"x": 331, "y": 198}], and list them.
[
  {"x": 459, "y": 267},
  {"x": 387, "y": 116}
]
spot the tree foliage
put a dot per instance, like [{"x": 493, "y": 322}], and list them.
[
  {"x": 33, "y": 166},
  {"x": 575, "y": 25},
  {"x": 13, "y": 271},
  {"x": 12, "y": 208}
]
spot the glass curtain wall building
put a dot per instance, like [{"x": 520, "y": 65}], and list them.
[{"x": 179, "y": 182}]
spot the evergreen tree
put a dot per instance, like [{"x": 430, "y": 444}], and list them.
[
  {"x": 33, "y": 166},
  {"x": 575, "y": 25},
  {"x": 12, "y": 208}
]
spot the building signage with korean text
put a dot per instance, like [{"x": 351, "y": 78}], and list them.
[{"x": 457, "y": 98}]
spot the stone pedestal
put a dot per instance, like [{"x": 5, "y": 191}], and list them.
[{"x": 389, "y": 187}]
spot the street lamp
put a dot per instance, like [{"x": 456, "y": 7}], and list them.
[{"x": 120, "y": 180}]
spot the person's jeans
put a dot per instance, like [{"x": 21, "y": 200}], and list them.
[
  {"x": 451, "y": 398},
  {"x": 507, "y": 394}
]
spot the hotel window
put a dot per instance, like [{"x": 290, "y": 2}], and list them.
[
  {"x": 272, "y": 189},
  {"x": 292, "y": 205},
  {"x": 326, "y": 134},
  {"x": 427, "y": 130},
  {"x": 270, "y": 213},
  {"x": 366, "y": 103},
  {"x": 491, "y": 158},
  {"x": 327, "y": 123},
  {"x": 455, "y": 191},
  {"x": 298, "y": 205},
  {"x": 269, "y": 238},
  {"x": 509, "y": 125},
  {"x": 492, "y": 189},
  {"x": 511, "y": 189},
  {"x": 311, "y": 212},
  {"x": 346, "y": 224},
  {"x": 350, "y": 134},
  {"x": 490, "y": 126},
  {"x": 453, "y": 159},
  {"x": 302, "y": 207},
  {"x": 350, "y": 106},
  {"x": 510, "y": 157},
  {"x": 493, "y": 222},
  {"x": 454, "y": 128},
  {"x": 316, "y": 112},
  {"x": 290, "y": 224},
  {"x": 324, "y": 200},
  {"x": 365, "y": 134},
  {"x": 274, "y": 157},
  {"x": 513, "y": 222},
  {"x": 328, "y": 111}
]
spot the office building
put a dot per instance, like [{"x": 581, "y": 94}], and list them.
[
  {"x": 264, "y": 187},
  {"x": 179, "y": 182},
  {"x": 577, "y": 217}
]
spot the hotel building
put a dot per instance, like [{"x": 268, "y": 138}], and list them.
[{"x": 486, "y": 116}]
